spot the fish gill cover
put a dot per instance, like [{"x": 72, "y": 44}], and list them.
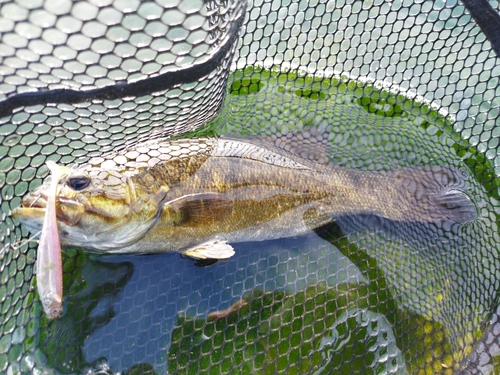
[{"x": 371, "y": 85}]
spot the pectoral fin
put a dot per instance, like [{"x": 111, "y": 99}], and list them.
[
  {"x": 203, "y": 210},
  {"x": 214, "y": 249}
]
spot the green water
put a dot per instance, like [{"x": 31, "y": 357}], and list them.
[
  {"x": 411, "y": 289},
  {"x": 355, "y": 297}
]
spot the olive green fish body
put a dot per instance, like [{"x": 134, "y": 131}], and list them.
[
  {"x": 173, "y": 196},
  {"x": 232, "y": 194}
]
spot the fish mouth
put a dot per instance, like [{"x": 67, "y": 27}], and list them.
[
  {"x": 31, "y": 217},
  {"x": 36, "y": 202},
  {"x": 32, "y": 209}
]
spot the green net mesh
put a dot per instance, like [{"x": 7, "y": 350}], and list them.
[{"x": 369, "y": 85}]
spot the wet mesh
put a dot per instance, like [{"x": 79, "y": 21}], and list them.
[{"x": 369, "y": 85}]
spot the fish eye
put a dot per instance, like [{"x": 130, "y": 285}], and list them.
[{"x": 78, "y": 183}]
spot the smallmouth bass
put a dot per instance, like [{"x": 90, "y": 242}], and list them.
[{"x": 197, "y": 196}]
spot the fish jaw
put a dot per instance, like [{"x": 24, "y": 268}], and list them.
[
  {"x": 32, "y": 212},
  {"x": 70, "y": 235},
  {"x": 31, "y": 217},
  {"x": 68, "y": 211}
]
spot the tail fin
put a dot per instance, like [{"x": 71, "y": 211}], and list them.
[
  {"x": 455, "y": 205},
  {"x": 432, "y": 194}
]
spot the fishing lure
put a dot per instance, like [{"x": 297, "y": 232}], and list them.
[{"x": 49, "y": 261}]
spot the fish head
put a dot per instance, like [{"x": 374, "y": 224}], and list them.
[{"x": 96, "y": 209}]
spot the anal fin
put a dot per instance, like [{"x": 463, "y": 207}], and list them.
[{"x": 213, "y": 249}]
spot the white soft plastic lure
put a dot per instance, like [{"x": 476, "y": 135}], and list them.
[{"x": 49, "y": 262}]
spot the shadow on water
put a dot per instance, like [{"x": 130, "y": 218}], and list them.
[{"x": 165, "y": 286}]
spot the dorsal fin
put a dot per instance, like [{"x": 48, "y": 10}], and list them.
[{"x": 253, "y": 149}]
